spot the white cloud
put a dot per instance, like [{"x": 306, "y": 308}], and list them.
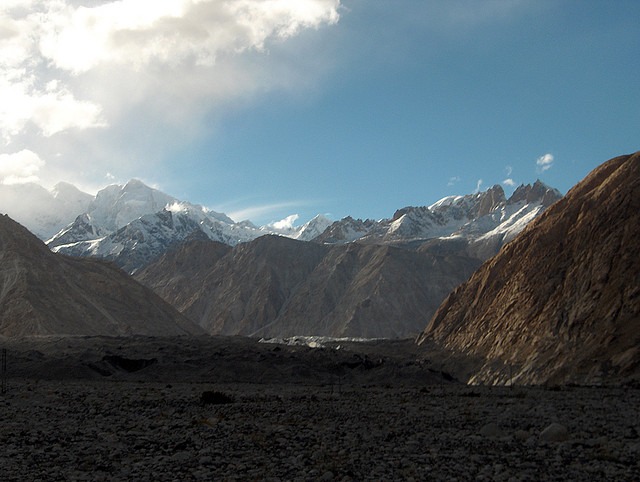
[
  {"x": 51, "y": 111},
  {"x": 286, "y": 223},
  {"x": 20, "y": 167},
  {"x": 30, "y": 93},
  {"x": 453, "y": 180},
  {"x": 545, "y": 162},
  {"x": 478, "y": 186},
  {"x": 68, "y": 67},
  {"x": 508, "y": 181},
  {"x": 139, "y": 32}
]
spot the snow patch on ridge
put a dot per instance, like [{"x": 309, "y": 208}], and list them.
[{"x": 317, "y": 341}]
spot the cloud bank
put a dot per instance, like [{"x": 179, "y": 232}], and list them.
[{"x": 85, "y": 73}]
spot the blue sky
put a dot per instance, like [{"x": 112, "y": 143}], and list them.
[{"x": 353, "y": 107}]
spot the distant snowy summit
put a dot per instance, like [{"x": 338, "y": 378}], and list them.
[
  {"x": 482, "y": 221},
  {"x": 41, "y": 211},
  {"x": 133, "y": 224}
]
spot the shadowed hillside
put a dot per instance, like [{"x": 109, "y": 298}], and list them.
[
  {"x": 275, "y": 287},
  {"x": 42, "y": 293}
]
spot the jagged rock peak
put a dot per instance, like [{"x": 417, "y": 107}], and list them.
[
  {"x": 489, "y": 200},
  {"x": 539, "y": 191},
  {"x": 474, "y": 205},
  {"x": 346, "y": 230}
]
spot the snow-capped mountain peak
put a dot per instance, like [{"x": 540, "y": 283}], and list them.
[
  {"x": 313, "y": 228},
  {"x": 486, "y": 217},
  {"x": 445, "y": 201},
  {"x": 133, "y": 223},
  {"x": 116, "y": 206}
]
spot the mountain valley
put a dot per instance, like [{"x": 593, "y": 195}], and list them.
[{"x": 556, "y": 304}]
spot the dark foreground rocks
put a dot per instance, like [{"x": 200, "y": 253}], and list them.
[{"x": 149, "y": 424}]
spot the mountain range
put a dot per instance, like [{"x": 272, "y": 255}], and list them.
[
  {"x": 561, "y": 302},
  {"x": 278, "y": 287},
  {"x": 133, "y": 224},
  {"x": 43, "y": 293},
  {"x": 537, "y": 288},
  {"x": 382, "y": 279},
  {"x": 356, "y": 278}
]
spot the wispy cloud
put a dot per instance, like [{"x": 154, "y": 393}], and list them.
[
  {"x": 478, "y": 186},
  {"x": 261, "y": 211},
  {"x": 453, "y": 181},
  {"x": 509, "y": 181},
  {"x": 545, "y": 162}
]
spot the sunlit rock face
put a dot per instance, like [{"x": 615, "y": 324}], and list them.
[{"x": 561, "y": 302}]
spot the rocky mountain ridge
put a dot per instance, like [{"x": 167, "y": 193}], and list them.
[
  {"x": 133, "y": 224},
  {"x": 561, "y": 302},
  {"x": 43, "y": 293},
  {"x": 478, "y": 216},
  {"x": 278, "y": 287},
  {"x": 386, "y": 284}
]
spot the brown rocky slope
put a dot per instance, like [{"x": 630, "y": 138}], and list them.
[
  {"x": 42, "y": 293},
  {"x": 279, "y": 287},
  {"x": 561, "y": 302}
]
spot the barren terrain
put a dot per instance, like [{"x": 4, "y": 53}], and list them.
[{"x": 206, "y": 408}]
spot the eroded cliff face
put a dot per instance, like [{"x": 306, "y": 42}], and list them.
[
  {"x": 561, "y": 302},
  {"x": 43, "y": 293}
]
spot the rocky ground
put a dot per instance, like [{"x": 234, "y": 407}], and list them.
[{"x": 294, "y": 414}]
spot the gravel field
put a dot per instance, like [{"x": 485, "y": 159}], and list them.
[{"x": 344, "y": 428}]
